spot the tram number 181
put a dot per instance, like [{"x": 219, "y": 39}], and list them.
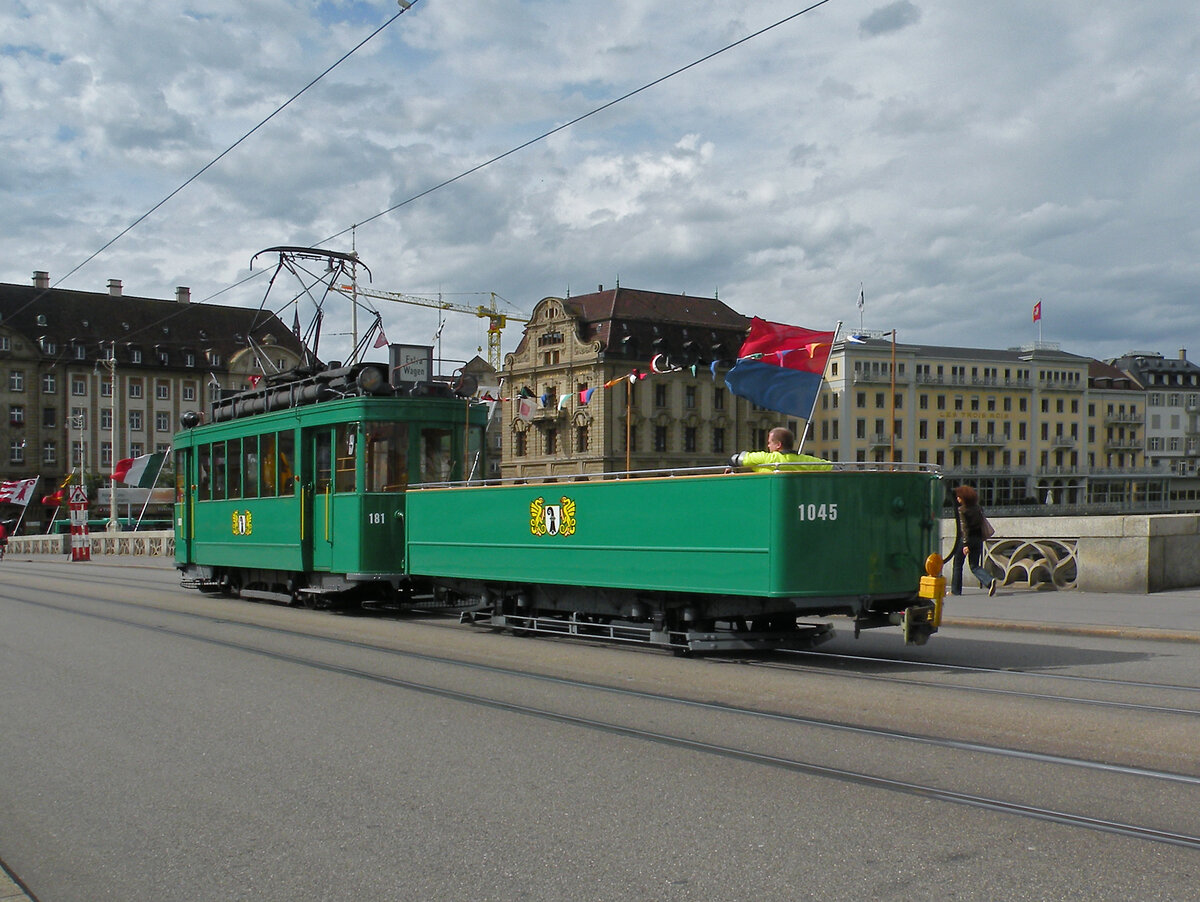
[{"x": 818, "y": 512}]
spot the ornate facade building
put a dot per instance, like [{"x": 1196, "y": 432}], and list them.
[{"x": 587, "y": 408}]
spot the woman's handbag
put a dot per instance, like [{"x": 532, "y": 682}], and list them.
[{"x": 988, "y": 529}]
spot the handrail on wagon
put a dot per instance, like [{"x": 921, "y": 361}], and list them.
[{"x": 848, "y": 466}]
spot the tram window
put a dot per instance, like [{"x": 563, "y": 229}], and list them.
[
  {"x": 218, "y": 471},
  {"x": 386, "y": 457},
  {"x": 436, "y": 462},
  {"x": 346, "y": 444},
  {"x": 204, "y": 473},
  {"x": 266, "y": 464},
  {"x": 285, "y": 467},
  {"x": 233, "y": 456},
  {"x": 322, "y": 459},
  {"x": 250, "y": 466}
]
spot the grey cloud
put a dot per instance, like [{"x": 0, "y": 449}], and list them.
[{"x": 886, "y": 19}]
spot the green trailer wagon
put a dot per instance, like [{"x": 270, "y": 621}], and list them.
[{"x": 702, "y": 561}]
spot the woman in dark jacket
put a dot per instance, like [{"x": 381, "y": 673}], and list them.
[{"x": 968, "y": 541}]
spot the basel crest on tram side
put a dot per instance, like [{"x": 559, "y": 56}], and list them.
[{"x": 552, "y": 519}]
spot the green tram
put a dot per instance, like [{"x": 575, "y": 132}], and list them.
[
  {"x": 298, "y": 489},
  {"x": 340, "y": 489}
]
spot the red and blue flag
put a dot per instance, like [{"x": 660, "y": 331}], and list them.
[{"x": 781, "y": 367}]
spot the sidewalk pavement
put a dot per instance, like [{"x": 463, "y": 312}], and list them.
[{"x": 1167, "y": 616}]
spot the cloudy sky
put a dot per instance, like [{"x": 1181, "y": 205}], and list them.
[{"x": 959, "y": 161}]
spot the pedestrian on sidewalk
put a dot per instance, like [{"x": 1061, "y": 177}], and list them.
[{"x": 968, "y": 541}]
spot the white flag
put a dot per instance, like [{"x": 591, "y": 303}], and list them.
[{"x": 18, "y": 491}]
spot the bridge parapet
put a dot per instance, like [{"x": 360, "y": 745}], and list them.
[{"x": 147, "y": 543}]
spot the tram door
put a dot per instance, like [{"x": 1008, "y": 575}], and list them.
[
  {"x": 319, "y": 495},
  {"x": 184, "y": 505}
]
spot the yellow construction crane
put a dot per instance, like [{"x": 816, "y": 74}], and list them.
[{"x": 496, "y": 320}]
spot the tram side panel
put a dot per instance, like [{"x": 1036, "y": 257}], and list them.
[{"x": 744, "y": 535}]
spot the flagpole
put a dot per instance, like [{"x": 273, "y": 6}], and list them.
[
  {"x": 892, "y": 429},
  {"x": 628, "y": 420},
  {"x": 807, "y": 423},
  {"x": 114, "y": 524}
]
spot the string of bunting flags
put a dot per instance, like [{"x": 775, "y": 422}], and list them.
[{"x": 779, "y": 367}]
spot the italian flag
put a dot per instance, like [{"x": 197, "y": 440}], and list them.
[{"x": 139, "y": 471}]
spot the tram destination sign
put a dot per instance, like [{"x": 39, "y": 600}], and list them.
[{"x": 410, "y": 364}]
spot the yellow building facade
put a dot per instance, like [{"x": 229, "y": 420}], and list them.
[{"x": 1026, "y": 426}]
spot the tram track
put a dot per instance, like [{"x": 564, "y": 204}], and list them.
[
  {"x": 376, "y": 674},
  {"x": 828, "y": 664},
  {"x": 1191, "y": 691}
]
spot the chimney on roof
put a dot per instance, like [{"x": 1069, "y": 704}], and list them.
[
  {"x": 1183, "y": 353},
  {"x": 599, "y": 287},
  {"x": 41, "y": 279},
  {"x": 114, "y": 287},
  {"x": 183, "y": 294}
]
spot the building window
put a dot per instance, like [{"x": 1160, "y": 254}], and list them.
[
  {"x": 660, "y": 438},
  {"x": 49, "y": 417},
  {"x": 79, "y": 386},
  {"x": 162, "y": 422},
  {"x": 719, "y": 399},
  {"x": 106, "y": 418},
  {"x": 49, "y": 453},
  {"x": 189, "y": 393},
  {"x": 16, "y": 414},
  {"x": 689, "y": 397},
  {"x": 106, "y": 388},
  {"x": 718, "y": 440},
  {"x": 660, "y": 395},
  {"x": 49, "y": 384},
  {"x": 519, "y": 444},
  {"x": 5, "y": 344},
  {"x": 135, "y": 388},
  {"x": 162, "y": 390},
  {"x": 551, "y": 441},
  {"x": 135, "y": 421},
  {"x": 106, "y": 455},
  {"x": 581, "y": 438},
  {"x": 689, "y": 439},
  {"x": 16, "y": 451}
]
